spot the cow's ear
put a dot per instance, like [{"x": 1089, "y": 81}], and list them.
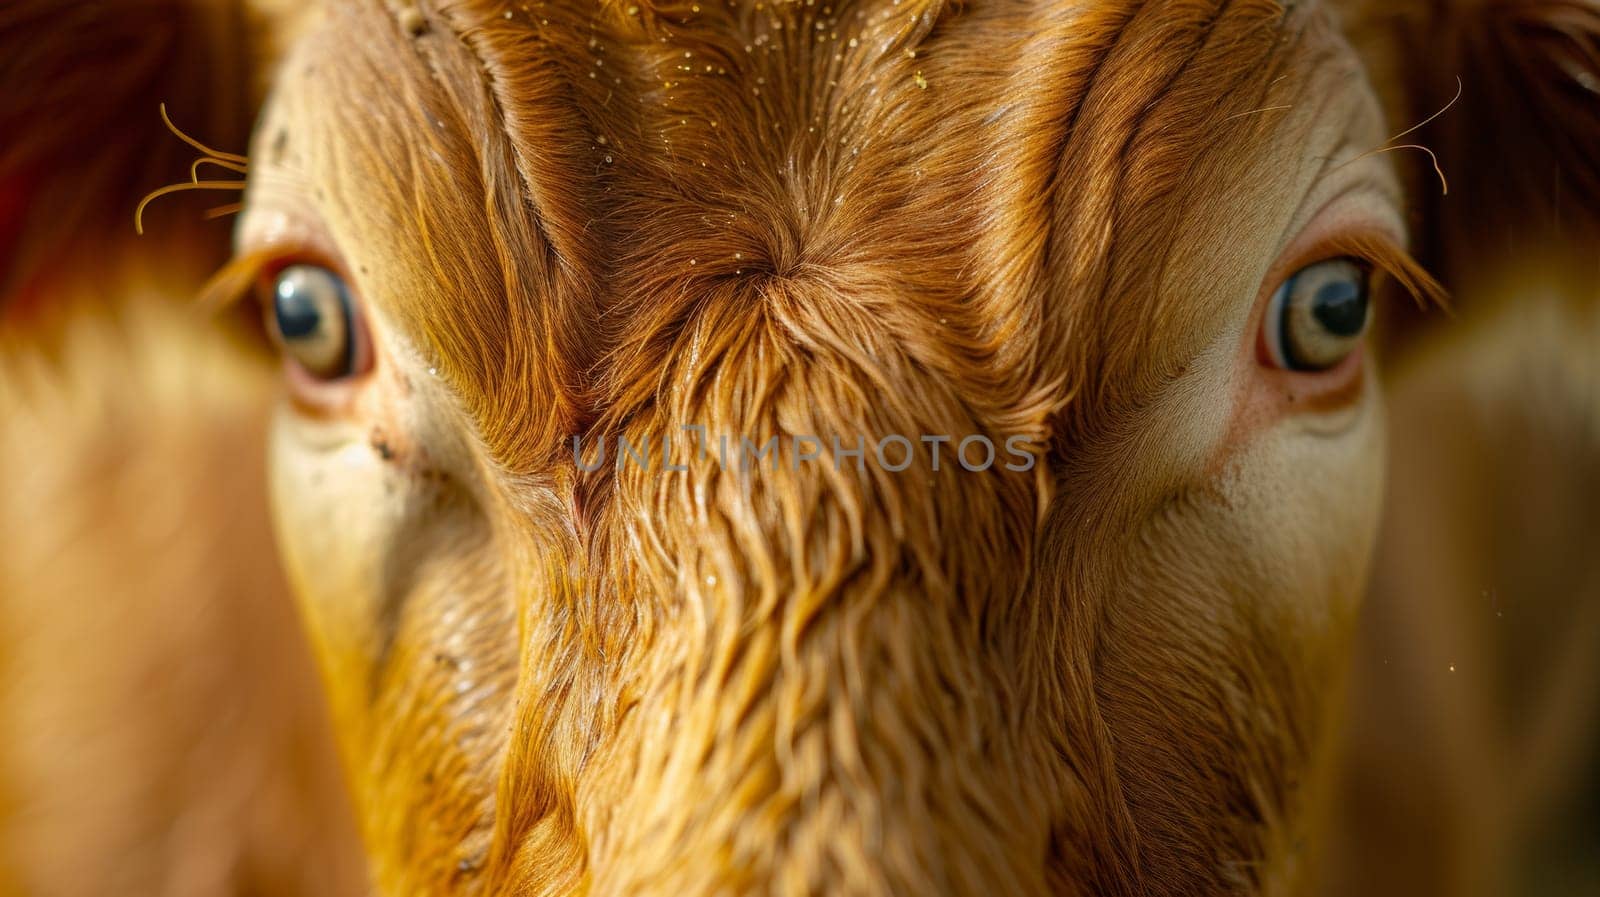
[
  {"x": 1518, "y": 144},
  {"x": 84, "y": 138}
]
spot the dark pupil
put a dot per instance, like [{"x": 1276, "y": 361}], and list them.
[
  {"x": 298, "y": 315},
  {"x": 1341, "y": 307}
]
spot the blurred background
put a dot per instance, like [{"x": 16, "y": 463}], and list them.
[
  {"x": 162, "y": 728},
  {"x": 161, "y": 731}
]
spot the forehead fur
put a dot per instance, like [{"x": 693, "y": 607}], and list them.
[{"x": 992, "y": 186}]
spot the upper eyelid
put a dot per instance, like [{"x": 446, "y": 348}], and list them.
[
  {"x": 284, "y": 224},
  {"x": 237, "y": 279},
  {"x": 1382, "y": 254},
  {"x": 1361, "y": 219}
]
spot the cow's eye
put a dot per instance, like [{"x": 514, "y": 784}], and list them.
[
  {"x": 312, "y": 318},
  {"x": 1317, "y": 317}
]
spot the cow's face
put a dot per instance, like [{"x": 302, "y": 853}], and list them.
[{"x": 1129, "y": 244}]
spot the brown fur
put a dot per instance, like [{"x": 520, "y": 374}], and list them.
[
  {"x": 841, "y": 682},
  {"x": 867, "y": 217}
]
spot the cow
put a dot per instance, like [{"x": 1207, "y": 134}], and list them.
[{"x": 868, "y": 447}]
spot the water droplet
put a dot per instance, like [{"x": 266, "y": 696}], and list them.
[{"x": 922, "y": 82}]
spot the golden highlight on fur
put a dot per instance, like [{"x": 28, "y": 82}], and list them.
[{"x": 1119, "y": 671}]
